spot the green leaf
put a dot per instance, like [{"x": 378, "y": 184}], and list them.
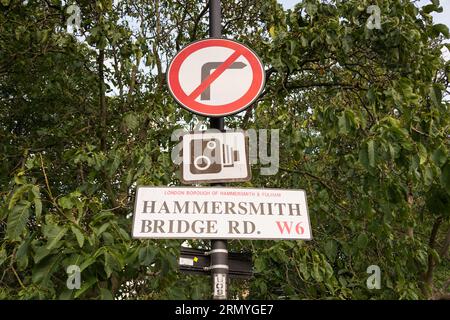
[
  {"x": 436, "y": 256},
  {"x": 445, "y": 177},
  {"x": 85, "y": 286},
  {"x": 430, "y": 8},
  {"x": 66, "y": 202},
  {"x": 131, "y": 121},
  {"x": 439, "y": 157},
  {"x": 147, "y": 255},
  {"x": 112, "y": 263},
  {"x": 5, "y": 2},
  {"x": 22, "y": 254},
  {"x": 331, "y": 249},
  {"x": 371, "y": 95},
  {"x": 428, "y": 176},
  {"x": 392, "y": 151},
  {"x": 317, "y": 275},
  {"x": 86, "y": 263},
  {"x": 272, "y": 32},
  {"x": 79, "y": 235},
  {"x": 293, "y": 45},
  {"x": 328, "y": 270},
  {"x": 105, "y": 294},
  {"x": 371, "y": 152},
  {"x": 18, "y": 195},
  {"x": 362, "y": 241},
  {"x": 262, "y": 287},
  {"x": 108, "y": 238},
  {"x": 304, "y": 41},
  {"x": 40, "y": 253},
  {"x": 421, "y": 256},
  {"x": 43, "y": 271},
  {"x": 259, "y": 264},
  {"x": 436, "y": 95},
  {"x": 3, "y": 255},
  {"x": 441, "y": 28},
  {"x": 196, "y": 292},
  {"x": 124, "y": 234},
  {"x": 38, "y": 207},
  {"x": 19, "y": 179},
  {"x": 66, "y": 294},
  {"x": 37, "y": 201},
  {"x": 343, "y": 124},
  {"x": 311, "y": 9},
  {"x": 54, "y": 234},
  {"x": 102, "y": 229},
  {"x": 363, "y": 156},
  {"x": 304, "y": 271},
  {"x": 423, "y": 154},
  {"x": 17, "y": 220}
]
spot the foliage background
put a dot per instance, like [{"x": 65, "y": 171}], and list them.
[{"x": 364, "y": 125}]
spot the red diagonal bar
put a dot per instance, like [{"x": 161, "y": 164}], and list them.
[{"x": 213, "y": 76}]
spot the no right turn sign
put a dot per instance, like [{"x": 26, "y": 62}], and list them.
[{"x": 216, "y": 77}]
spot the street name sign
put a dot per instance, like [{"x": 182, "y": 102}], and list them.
[
  {"x": 215, "y": 157},
  {"x": 215, "y": 77},
  {"x": 220, "y": 213}
]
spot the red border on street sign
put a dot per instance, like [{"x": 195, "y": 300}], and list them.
[{"x": 188, "y": 100}]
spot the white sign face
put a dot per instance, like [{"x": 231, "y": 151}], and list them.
[
  {"x": 230, "y": 86},
  {"x": 220, "y": 213},
  {"x": 215, "y": 157},
  {"x": 186, "y": 262}
]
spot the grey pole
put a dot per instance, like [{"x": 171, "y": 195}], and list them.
[{"x": 219, "y": 253}]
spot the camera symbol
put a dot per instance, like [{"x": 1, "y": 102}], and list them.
[{"x": 211, "y": 156}]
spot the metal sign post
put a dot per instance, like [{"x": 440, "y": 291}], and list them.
[
  {"x": 216, "y": 158},
  {"x": 219, "y": 252}
]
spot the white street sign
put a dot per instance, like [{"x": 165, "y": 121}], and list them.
[
  {"x": 215, "y": 157},
  {"x": 220, "y": 213}
]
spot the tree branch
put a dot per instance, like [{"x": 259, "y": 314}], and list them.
[
  {"x": 197, "y": 21},
  {"x": 445, "y": 246},
  {"x": 428, "y": 277},
  {"x": 102, "y": 98}
]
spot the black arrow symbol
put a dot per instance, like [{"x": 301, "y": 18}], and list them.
[{"x": 206, "y": 71}]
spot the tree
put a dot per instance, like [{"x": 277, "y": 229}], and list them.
[{"x": 363, "y": 118}]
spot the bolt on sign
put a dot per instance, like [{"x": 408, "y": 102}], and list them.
[
  {"x": 215, "y": 77},
  {"x": 220, "y": 213},
  {"x": 215, "y": 157}
]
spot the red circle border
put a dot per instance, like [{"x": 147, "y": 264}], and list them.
[{"x": 220, "y": 110}]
